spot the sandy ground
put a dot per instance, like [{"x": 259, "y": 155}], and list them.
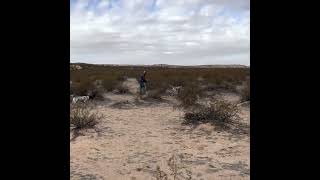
[{"x": 137, "y": 136}]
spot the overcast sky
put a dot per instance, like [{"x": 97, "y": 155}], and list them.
[{"x": 184, "y": 32}]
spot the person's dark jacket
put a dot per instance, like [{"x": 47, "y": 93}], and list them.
[{"x": 143, "y": 79}]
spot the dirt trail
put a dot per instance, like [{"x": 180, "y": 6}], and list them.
[{"x": 131, "y": 142}]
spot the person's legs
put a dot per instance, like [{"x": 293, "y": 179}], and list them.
[
  {"x": 141, "y": 88},
  {"x": 145, "y": 89}
]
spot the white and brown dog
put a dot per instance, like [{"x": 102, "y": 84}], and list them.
[{"x": 79, "y": 99}]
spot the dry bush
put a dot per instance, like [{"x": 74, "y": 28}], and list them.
[
  {"x": 177, "y": 170},
  {"x": 120, "y": 89},
  {"x": 230, "y": 87},
  {"x": 121, "y": 78},
  {"x": 87, "y": 88},
  {"x": 189, "y": 95},
  {"x": 173, "y": 165},
  {"x": 154, "y": 94},
  {"x": 218, "y": 113},
  {"x": 109, "y": 84},
  {"x": 96, "y": 94},
  {"x": 159, "y": 77},
  {"x": 82, "y": 116},
  {"x": 82, "y": 88},
  {"x": 161, "y": 175},
  {"x": 245, "y": 92}
]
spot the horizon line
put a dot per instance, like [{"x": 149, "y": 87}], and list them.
[{"x": 162, "y": 64}]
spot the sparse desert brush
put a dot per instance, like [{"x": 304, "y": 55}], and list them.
[
  {"x": 160, "y": 175},
  {"x": 120, "y": 89},
  {"x": 121, "y": 78},
  {"x": 230, "y": 86},
  {"x": 154, "y": 94},
  {"x": 189, "y": 95},
  {"x": 182, "y": 80},
  {"x": 82, "y": 88},
  {"x": 245, "y": 92},
  {"x": 219, "y": 113},
  {"x": 159, "y": 77},
  {"x": 109, "y": 84},
  {"x": 177, "y": 170},
  {"x": 83, "y": 117},
  {"x": 96, "y": 94},
  {"x": 87, "y": 88}
]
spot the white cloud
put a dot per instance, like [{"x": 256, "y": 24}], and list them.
[{"x": 172, "y": 32}]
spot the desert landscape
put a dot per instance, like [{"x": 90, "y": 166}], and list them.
[{"x": 193, "y": 122}]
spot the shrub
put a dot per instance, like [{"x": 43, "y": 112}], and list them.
[
  {"x": 245, "y": 92},
  {"x": 161, "y": 175},
  {"x": 218, "y": 113},
  {"x": 158, "y": 77},
  {"x": 154, "y": 94},
  {"x": 189, "y": 95},
  {"x": 82, "y": 88},
  {"x": 81, "y": 116},
  {"x": 96, "y": 94},
  {"x": 121, "y": 78},
  {"x": 109, "y": 84},
  {"x": 178, "y": 170},
  {"x": 230, "y": 87},
  {"x": 121, "y": 89}
]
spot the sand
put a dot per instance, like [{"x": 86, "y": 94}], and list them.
[{"x": 137, "y": 136}]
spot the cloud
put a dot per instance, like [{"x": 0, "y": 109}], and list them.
[{"x": 160, "y": 31}]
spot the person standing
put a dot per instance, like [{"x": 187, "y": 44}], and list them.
[{"x": 143, "y": 82}]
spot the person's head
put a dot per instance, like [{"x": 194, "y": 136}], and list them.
[{"x": 144, "y": 72}]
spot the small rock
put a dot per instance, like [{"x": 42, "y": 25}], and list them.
[{"x": 139, "y": 169}]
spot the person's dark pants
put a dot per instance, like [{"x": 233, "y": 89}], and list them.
[{"x": 142, "y": 88}]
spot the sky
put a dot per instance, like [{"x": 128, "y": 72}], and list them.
[{"x": 178, "y": 32}]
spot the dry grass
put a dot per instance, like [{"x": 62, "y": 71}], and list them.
[
  {"x": 161, "y": 175},
  {"x": 177, "y": 170}
]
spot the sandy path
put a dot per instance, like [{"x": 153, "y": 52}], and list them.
[{"x": 131, "y": 142}]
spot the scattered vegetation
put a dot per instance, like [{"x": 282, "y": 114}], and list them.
[
  {"x": 120, "y": 89},
  {"x": 161, "y": 78},
  {"x": 177, "y": 170},
  {"x": 97, "y": 79},
  {"x": 154, "y": 94},
  {"x": 83, "y": 117},
  {"x": 96, "y": 94},
  {"x": 245, "y": 92},
  {"x": 161, "y": 175},
  {"x": 189, "y": 95},
  {"x": 219, "y": 113}
]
